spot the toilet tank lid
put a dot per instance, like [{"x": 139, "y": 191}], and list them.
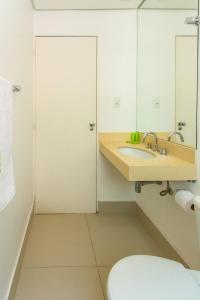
[{"x": 151, "y": 278}]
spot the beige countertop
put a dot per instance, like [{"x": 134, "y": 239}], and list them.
[{"x": 159, "y": 167}]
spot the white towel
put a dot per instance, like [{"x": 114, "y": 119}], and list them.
[{"x": 7, "y": 182}]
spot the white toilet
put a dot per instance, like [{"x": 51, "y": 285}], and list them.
[{"x": 143, "y": 277}]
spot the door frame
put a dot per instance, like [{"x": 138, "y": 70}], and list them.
[{"x": 34, "y": 112}]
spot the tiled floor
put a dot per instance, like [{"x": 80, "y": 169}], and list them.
[{"x": 70, "y": 256}]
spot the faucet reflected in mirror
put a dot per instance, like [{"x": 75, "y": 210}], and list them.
[
  {"x": 176, "y": 133},
  {"x": 154, "y": 145}
]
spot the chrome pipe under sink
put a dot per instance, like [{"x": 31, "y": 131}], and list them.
[{"x": 140, "y": 184}]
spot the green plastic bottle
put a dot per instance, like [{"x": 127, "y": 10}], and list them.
[{"x": 135, "y": 137}]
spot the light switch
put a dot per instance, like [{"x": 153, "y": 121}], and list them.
[
  {"x": 116, "y": 102},
  {"x": 156, "y": 102}
]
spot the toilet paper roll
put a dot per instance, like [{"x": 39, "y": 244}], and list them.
[
  {"x": 197, "y": 215},
  {"x": 197, "y": 202},
  {"x": 185, "y": 199}
]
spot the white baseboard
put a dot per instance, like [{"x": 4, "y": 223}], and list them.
[{"x": 13, "y": 275}]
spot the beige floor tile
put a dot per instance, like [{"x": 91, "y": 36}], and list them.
[
  {"x": 59, "y": 240},
  {"x": 72, "y": 283},
  {"x": 117, "y": 236},
  {"x": 104, "y": 272}
]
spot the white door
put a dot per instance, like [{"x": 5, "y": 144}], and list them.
[
  {"x": 65, "y": 141},
  {"x": 186, "y": 87}
]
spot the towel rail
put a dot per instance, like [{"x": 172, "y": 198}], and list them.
[{"x": 16, "y": 88}]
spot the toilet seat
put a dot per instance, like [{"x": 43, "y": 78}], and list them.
[{"x": 151, "y": 278}]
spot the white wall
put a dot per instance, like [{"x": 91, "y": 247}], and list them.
[
  {"x": 16, "y": 66},
  {"x": 156, "y": 66},
  {"x": 117, "y": 36}
]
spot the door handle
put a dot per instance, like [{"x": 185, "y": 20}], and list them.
[
  {"x": 92, "y": 126},
  {"x": 192, "y": 21}
]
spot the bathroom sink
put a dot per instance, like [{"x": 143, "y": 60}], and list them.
[
  {"x": 137, "y": 153},
  {"x": 137, "y": 163}
]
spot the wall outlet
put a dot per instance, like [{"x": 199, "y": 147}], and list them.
[{"x": 116, "y": 102}]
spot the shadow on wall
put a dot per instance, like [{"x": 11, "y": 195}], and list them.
[{"x": 112, "y": 186}]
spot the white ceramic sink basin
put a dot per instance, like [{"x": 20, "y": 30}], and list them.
[{"x": 137, "y": 153}]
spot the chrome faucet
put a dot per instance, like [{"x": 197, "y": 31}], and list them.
[
  {"x": 174, "y": 133},
  {"x": 153, "y": 134}
]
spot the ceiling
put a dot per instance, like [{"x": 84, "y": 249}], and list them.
[
  {"x": 86, "y": 4},
  {"x": 113, "y": 4},
  {"x": 171, "y": 4}
]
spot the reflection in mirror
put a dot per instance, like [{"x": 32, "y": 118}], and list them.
[{"x": 167, "y": 68}]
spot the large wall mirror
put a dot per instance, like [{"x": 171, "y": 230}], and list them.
[{"x": 167, "y": 68}]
